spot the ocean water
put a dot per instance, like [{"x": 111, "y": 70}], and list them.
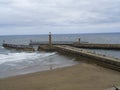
[{"x": 14, "y": 62}]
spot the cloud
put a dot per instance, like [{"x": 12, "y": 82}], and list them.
[{"x": 58, "y": 14}]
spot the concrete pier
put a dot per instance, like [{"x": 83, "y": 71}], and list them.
[
  {"x": 79, "y": 44},
  {"x": 98, "y": 46},
  {"x": 19, "y": 47},
  {"x": 103, "y": 60}
]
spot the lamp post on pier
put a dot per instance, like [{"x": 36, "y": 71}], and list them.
[
  {"x": 50, "y": 40},
  {"x": 78, "y": 40}
]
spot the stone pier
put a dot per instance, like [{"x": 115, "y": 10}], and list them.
[{"x": 109, "y": 62}]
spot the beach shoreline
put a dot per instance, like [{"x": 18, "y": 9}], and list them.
[{"x": 83, "y": 76}]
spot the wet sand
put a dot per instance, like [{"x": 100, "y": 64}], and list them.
[{"x": 79, "y": 77}]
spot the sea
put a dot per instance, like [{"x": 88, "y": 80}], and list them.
[{"x": 13, "y": 62}]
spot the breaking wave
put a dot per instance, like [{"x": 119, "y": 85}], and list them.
[{"x": 18, "y": 57}]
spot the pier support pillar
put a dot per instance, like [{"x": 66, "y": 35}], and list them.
[{"x": 50, "y": 40}]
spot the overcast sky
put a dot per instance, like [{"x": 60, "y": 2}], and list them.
[{"x": 59, "y": 16}]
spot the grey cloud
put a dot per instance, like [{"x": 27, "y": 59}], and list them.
[{"x": 58, "y": 13}]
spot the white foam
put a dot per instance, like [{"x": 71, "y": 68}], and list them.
[{"x": 16, "y": 57}]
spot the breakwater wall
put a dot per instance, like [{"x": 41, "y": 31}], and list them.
[
  {"x": 102, "y": 60},
  {"x": 98, "y": 46},
  {"x": 19, "y": 47},
  {"x": 46, "y": 48}
]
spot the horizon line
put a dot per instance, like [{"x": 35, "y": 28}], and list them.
[{"x": 60, "y": 33}]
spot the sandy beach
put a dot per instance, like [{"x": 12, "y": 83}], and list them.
[{"x": 79, "y": 77}]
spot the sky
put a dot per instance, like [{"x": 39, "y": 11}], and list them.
[{"x": 59, "y": 16}]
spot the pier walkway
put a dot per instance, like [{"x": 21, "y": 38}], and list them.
[{"x": 106, "y": 61}]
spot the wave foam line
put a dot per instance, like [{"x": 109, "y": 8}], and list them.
[{"x": 15, "y": 57}]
